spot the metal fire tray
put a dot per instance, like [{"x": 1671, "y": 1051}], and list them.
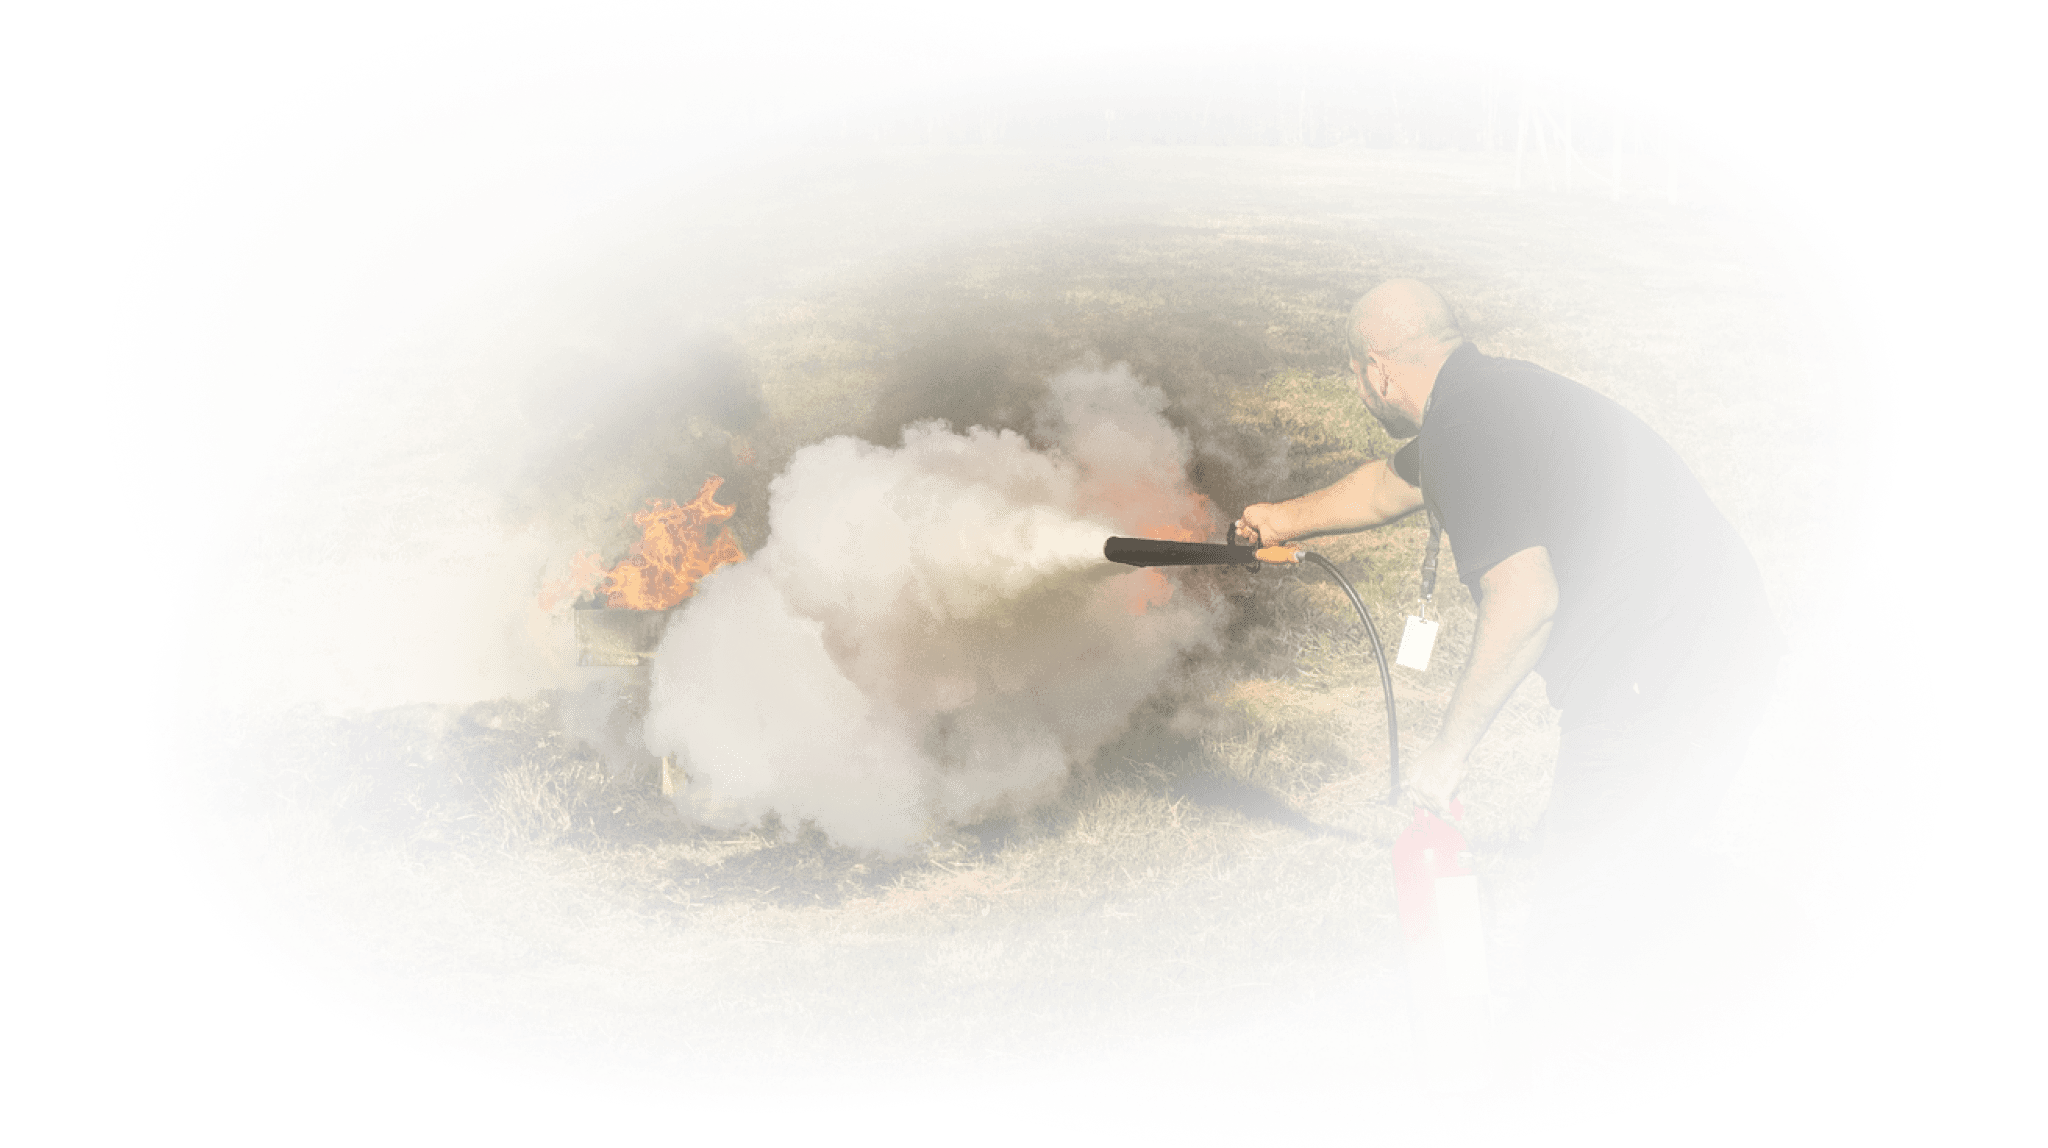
[{"x": 608, "y": 637}]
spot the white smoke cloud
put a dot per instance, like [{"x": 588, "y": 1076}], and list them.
[{"x": 931, "y": 633}]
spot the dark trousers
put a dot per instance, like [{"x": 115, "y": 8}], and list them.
[{"x": 1624, "y": 873}]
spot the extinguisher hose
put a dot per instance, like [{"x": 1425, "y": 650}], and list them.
[
  {"x": 1159, "y": 552},
  {"x": 1379, "y": 653}
]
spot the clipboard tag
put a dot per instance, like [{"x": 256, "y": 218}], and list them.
[{"x": 1418, "y": 638}]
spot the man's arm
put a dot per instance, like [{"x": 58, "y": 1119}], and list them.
[
  {"x": 1518, "y": 599},
  {"x": 1369, "y": 496}
]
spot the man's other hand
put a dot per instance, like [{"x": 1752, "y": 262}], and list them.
[{"x": 1431, "y": 777}]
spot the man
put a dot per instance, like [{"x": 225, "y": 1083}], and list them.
[{"x": 1597, "y": 561}]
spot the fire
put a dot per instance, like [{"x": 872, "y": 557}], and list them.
[
  {"x": 1148, "y": 588},
  {"x": 1184, "y": 516},
  {"x": 1152, "y": 512},
  {"x": 674, "y": 551}
]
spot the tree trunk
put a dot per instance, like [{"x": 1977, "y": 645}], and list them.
[
  {"x": 1494, "y": 107},
  {"x": 1567, "y": 136},
  {"x": 1618, "y": 123},
  {"x": 1672, "y": 160},
  {"x": 1485, "y": 105},
  {"x": 1543, "y": 148},
  {"x": 1522, "y": 117}
]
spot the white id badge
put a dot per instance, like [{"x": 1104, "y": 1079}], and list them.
[{"x": 1418, "y": 638}]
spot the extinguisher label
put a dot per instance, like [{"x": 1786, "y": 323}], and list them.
[
  {"x": 1461, "y": 940},
  {"x": 1418, "y": 638}
]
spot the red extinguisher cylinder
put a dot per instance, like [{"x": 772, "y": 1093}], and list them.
[{"x": 1436, "y": 895}]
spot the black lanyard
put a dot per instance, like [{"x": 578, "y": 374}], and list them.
[
  {"x": 1436, "y": 529},
  {"x": 1436, "y": 540}
]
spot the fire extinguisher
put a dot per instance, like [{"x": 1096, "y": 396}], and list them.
[{"x": 1436, "y": 897}]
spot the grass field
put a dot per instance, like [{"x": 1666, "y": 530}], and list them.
[{"x": 1218, "y": 878}]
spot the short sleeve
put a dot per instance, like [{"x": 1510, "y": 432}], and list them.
[
  {"x": 1407, "y": 462},
  {"x": 1488, "y": 482}
]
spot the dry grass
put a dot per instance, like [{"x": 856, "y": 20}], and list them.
[{"x": 1225, "y": 860}]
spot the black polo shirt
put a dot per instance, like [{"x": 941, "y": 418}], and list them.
[{"x": 1654, "y": 586}]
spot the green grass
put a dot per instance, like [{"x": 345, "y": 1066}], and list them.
[{"x": 1224, "y": 861}]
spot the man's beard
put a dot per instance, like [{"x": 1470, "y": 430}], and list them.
[{"x": 1398, "y": 425}]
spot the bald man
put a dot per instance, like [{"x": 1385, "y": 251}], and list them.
[{"x": 1597, "y": 561}]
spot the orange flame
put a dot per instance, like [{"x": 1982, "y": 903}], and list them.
[
  {"x": 674, "y": 551},
  {"x": 1147, "y": 588},
  {"x": 1154, "y": 513}
]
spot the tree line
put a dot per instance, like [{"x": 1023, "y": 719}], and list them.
[{"x": 713, "y": 103}]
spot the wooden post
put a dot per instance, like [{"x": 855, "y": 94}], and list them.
[
  {"x": 1672, "y": 168},
  {"x": 1618, "y": 125},
  {"x": 668, "y": 777}
]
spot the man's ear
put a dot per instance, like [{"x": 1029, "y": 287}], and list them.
[{"x": 1375, "y": 374}]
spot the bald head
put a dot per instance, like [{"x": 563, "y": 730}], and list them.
[{"x": 1402, "y": 320}]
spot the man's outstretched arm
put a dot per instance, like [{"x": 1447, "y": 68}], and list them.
[
  {"x": 1369, "y": 496},
  {"x": 1518, "y": 599}
]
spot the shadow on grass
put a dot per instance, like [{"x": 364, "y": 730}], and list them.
[
  {"x": 808, "y": 870},
  {"x": 1208, "y": 790},
  {"x": 1216, "y": 791}
]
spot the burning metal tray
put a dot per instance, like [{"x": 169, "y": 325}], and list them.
[{"x": 608, "y": 637}]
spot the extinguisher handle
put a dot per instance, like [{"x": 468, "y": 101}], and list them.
[
  {"x": 1416, "y": 799},
  {"x": 1422, "y": 803}
]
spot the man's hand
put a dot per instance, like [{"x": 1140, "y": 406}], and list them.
[
  {"x": 1430, "y": 778},
  {"x": 1260, "y": 525},
  {"x": 1372, "y": 495}
]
